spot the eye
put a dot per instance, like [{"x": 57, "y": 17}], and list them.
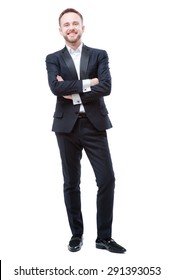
[{"x": 75, "y": 23}]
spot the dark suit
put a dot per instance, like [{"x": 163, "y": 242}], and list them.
[{"x": 74, "y": 134}]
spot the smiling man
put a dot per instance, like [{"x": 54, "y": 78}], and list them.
[{"x": 79, "y": 77}]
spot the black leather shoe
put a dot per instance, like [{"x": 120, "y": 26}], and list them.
[
  {"x": 75, "y": 244},
  {"x": 110, "y": 245}
]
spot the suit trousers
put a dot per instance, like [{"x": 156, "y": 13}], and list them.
[{"x": 85, "y": 136}]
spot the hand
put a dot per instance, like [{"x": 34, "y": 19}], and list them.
[
  {"x": 60, "y": 79},
  {"x": 68, "y": 97},
  {"x": 94, "y": 81}
]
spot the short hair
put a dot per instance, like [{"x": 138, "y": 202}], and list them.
[{"x": 70, "y": 10}]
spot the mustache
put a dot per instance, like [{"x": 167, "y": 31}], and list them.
[{"x": 71, "y": 31}]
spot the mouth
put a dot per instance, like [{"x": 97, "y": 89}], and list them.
[{"x": 72, "y": 33}]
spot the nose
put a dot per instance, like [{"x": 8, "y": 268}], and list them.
[{"x": 71, "y": 30}]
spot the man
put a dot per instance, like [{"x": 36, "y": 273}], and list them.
[{"x": 79, "y": 76}]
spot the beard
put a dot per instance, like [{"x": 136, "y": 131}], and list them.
[{"x": 74, "y": 39}]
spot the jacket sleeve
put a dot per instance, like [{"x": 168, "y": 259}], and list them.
[
  {"x": 66, "y": 87},
  {"x": 104, "y": 76}
]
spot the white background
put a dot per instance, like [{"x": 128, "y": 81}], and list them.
[{"x": 138, "y": 38}]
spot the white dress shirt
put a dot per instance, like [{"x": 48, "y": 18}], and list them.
[{"x": 76, "y": 56}]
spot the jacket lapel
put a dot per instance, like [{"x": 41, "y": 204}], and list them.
[
  {"x": 70, "y": 64},
  {"x": 84, "y": 62}
]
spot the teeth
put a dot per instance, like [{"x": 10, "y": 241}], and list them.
[{"x": 73, "y": 33}]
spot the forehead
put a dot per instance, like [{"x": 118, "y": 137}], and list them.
[{"x": 70, "y": 17}]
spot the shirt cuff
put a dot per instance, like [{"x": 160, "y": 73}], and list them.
[
  {"x": 76, "y": 99},
  {"x": 86, "y": 85}
]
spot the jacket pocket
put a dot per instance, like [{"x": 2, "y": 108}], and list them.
[{"x": 58, "y": 114}]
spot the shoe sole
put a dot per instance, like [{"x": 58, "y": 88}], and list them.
[{"x": 75, "y": 249}]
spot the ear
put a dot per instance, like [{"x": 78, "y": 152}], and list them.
[
  {"x": 83, "y": 28},
  {"x": 60, "y": 30}
]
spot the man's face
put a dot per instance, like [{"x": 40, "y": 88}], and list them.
[{"x": 71, "y": 27}]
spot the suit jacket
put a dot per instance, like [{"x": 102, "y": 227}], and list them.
[{"x": 94, "y": 64}]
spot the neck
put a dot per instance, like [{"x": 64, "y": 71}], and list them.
[{"x": 74, "y": 46}]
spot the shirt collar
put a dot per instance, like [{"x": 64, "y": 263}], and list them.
[{"x": 78, "y": 50}]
